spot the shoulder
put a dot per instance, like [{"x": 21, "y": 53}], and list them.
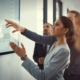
[
  {"x": 64, "y": 52},
  {"x": 65, "y": 48}
]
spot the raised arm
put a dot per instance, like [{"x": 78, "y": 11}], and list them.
[
  {"x": 49, "y": 40},
  {"x": 57, "y": 64},
  {"x": 31, "y": 35}
]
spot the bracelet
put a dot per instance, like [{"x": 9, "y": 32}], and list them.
[{"x": 23, "y": 58}]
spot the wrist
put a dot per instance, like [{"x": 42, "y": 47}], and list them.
[
  {"x": 22, "y": 29},
  {"x": 24, "y": 58}
]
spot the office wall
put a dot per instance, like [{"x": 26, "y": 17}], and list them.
[
  {"x": 68, "y": 4},
  {"x": 50, "y": 11},
  {"x": 10, "y": 65}
]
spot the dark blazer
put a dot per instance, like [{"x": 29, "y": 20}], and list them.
[{"x": 38, "y": 53}]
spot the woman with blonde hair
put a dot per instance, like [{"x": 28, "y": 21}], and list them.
[{"x": 77, "y": 33}]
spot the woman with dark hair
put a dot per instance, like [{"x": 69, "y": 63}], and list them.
[{"x": 58, "y": 57}]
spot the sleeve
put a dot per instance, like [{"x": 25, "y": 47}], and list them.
[
  {"x": 35, "y": 54},
  {"x": 49, "y": 40},
  {"x": 58, "y": 62}
]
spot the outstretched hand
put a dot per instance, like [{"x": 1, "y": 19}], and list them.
[
  {"x": 14, "y": 25},
  {"x": 18, "y": 50}
]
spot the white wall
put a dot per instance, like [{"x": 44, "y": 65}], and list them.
[
  {"x": 50, "y": 11},
  {"x": 10, "y": 65},
  {"x": 68, "y": 4},
  {"x": 40, "y": 17}
]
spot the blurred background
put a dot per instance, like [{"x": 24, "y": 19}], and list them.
[{"x": 32, "y": 15}]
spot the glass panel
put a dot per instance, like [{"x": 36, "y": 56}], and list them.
[
  {"x": 57, "y": 10},
  {"x": 50, "y": 11},
  {"x": 40, "y": 16}
]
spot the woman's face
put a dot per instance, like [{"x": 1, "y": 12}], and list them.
[{"x": 58, "y": 28}]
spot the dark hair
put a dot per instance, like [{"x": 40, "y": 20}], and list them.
[
  {"x": 74, "y": 12},
  {"x": 67, "y": 23}
]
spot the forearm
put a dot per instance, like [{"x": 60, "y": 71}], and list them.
[
  {"x": 49, "y": 40},
  {"x": 33, "y": 69}
]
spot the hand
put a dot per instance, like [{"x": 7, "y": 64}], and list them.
[
  {"x": 18, "y": 50},
  {"x": 41, "y": 60},
  {"x": 15, "y": 25}
]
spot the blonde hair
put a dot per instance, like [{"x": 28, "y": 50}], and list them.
[{"x": 74, "y": 12}]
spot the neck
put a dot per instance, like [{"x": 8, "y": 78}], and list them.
[{"x": 61, "y": 40}]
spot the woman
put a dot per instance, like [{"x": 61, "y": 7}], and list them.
[
  {"x": 58, "y": 57},
  {"x": 73, "y": 71},
  {"x": 77, "y": 33}
]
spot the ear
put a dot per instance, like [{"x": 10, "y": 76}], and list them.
[{"x": 66, "y": 30}]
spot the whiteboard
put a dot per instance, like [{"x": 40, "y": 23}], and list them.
[{"x": 9, "y": 9}]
